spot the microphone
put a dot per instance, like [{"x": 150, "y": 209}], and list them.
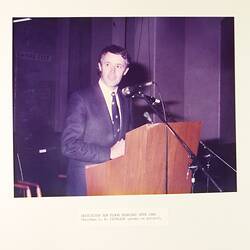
[
  {"x": 148, "y": 117},
  {"x": 134, "y": 91},
  {"x": 130, "y": 90},
  {"x": 151, "y": 99},
  {"x": 139, "y": 94}
]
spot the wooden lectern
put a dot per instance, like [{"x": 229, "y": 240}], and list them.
[{"x": 155, "y": 162}]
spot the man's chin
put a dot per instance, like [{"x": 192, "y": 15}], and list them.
[{"x": 112, "y": 84}]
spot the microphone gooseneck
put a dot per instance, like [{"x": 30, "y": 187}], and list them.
[
  {"x": 130, "y": 90},
  {"x": 136, "y": 92}
]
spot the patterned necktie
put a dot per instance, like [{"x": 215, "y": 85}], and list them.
[{"x": 115, "y": 116}]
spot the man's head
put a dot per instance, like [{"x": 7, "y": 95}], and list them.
[{"x": 113, "y": 65}]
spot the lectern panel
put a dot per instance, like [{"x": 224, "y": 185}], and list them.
[{"x": 154, "y": 162}]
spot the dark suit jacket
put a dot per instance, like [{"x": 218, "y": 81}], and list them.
[{"x": 88, "y": 134}]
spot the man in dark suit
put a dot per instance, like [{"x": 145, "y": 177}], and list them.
[{"x": 98, "y": 118}]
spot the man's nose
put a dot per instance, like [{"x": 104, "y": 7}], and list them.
[{"x": 113, "y": 69}]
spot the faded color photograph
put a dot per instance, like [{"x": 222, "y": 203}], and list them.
[{"x": 123, "y": 106}]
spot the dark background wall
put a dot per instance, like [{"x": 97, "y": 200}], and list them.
[
  {"x": 190, "y": 59},
  {"x": 202, "y": 71}
]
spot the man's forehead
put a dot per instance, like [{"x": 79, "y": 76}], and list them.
[{"x": 111, "y": 57}]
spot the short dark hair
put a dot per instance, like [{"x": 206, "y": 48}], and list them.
[{"x": 115, "y": 49}]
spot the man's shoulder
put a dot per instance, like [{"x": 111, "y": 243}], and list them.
[{"x": 85, "y": 92}]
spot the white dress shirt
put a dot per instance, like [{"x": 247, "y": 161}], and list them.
[{"x": 108, "y": 98}]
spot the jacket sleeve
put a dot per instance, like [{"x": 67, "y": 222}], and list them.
[{"x": 72, "y": 142}]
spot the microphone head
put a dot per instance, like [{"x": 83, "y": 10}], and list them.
[
  {"x": 130, "y": 90},
  {"x": 148, "y": 84},
  {"x": 148, "y": 117},
  {"x": 126, "y": 91}
]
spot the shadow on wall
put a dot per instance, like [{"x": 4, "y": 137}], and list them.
[{"x": 137, "y": 75}]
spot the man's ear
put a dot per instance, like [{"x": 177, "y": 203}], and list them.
[
  {"x": 126, "y": 71},
  {"x": 100, "y": 67}
]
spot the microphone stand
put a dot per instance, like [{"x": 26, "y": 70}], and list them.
[
  {"x": 210, "y": 155},
  {"x": 195, "y": 161},
  {"x": 217, "y": 156}
]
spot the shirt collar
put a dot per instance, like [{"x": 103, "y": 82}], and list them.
[{"x": 106, "y": 89}]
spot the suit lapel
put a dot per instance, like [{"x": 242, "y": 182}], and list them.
[{"x": 102, "y": 108}]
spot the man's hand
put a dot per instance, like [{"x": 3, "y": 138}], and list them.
[{"x": 118, "y": 149}]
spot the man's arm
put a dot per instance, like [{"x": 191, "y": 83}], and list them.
[{"x": 73, "y": 144}]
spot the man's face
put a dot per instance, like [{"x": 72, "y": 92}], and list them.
[{"x": 112, "y": 67}]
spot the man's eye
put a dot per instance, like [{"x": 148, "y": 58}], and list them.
[
  {"x": 119, "y": 66},
  {"x": 107, "y": 64}
]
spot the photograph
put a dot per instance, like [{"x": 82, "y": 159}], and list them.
[{"x": 123, "y": 106}]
